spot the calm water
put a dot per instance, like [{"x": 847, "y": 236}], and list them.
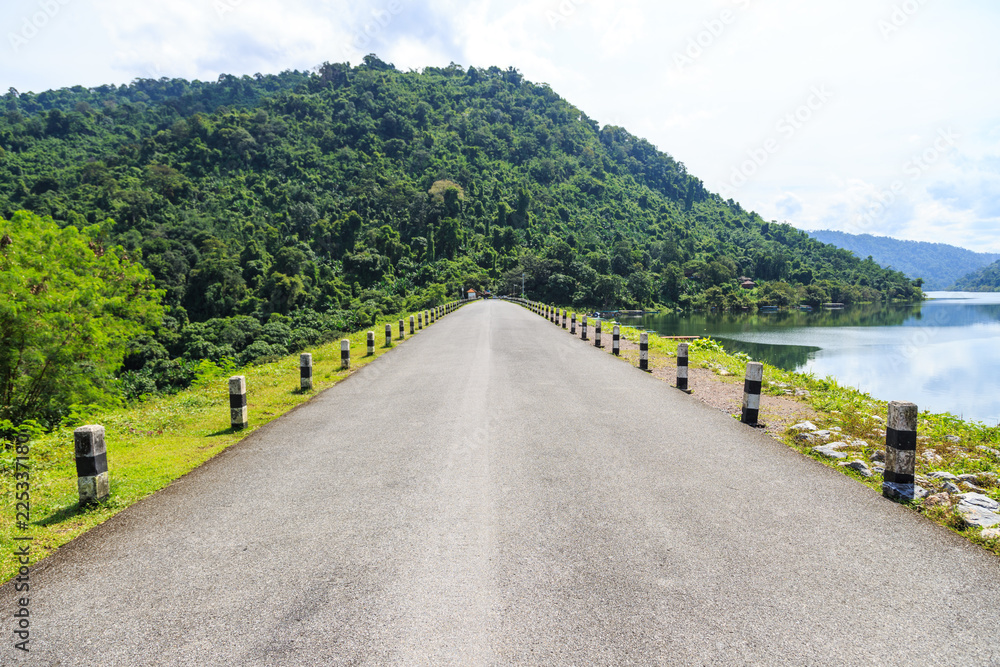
[{"x": 943, "y": 354}]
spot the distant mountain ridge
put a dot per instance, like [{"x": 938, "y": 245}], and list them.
[{"x": 939, "y": 264}]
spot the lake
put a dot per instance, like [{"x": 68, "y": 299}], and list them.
[{"x": 942, "y": 354}]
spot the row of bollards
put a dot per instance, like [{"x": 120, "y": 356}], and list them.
[
  {"x": 93, "y": 480},
  {"x": 899, "y": 479}
]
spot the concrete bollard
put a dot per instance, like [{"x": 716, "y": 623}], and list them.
[
  {"x": 345, "y": 354},
  {"x": 597, "y": 334},
  {"x": 92, "y": 480},
  {"x": 402, "y": 332},
  {"x": 430, "y": 315},
  {"x": 572, "y": 326},
  {"x": 644, "y": 351},
  {"x": 583, "y": 328},
  {"x": 616, "y": 340},
  {"x": 305, "y": 371},
  {"x": 751, "y": 393},
  {"x": 371, "y": 343},
  {"x": 682, "y": 367},
  {"x": 420, "y": 321},
  {"x": 411, "y": 325},
  {"x": 388, "y": 335},
  {"x": 899, "y": 482},
  {"x": 238, "y": 402},
  {"x": 564, "y": 318}
]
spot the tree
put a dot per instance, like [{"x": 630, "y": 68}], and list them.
[{"x": 69, "y": 307}]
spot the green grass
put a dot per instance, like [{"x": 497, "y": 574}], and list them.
[
  {"x": 859, "y": 416},
  {"x": 153, "y": 443}
]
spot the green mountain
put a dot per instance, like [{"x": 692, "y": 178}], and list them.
[
  {"x": 986, "y": 279},
  {"x": 938, "y": 264},
  {"x": 276, "y": 211}
]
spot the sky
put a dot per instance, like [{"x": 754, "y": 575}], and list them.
[{"x": 865, "y": 116}]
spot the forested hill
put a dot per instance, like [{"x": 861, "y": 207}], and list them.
[
  {"x": 986, "y": 279},
  {"x": 938, "y": 264},
  {"x": 275, "y": 210}
]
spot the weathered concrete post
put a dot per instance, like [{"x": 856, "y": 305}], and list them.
[
  {"x": 305, "y": 371},
  {"x": 644, "y": 351},
  {"x": 388, "y": 335},
  {"x": 682, "y": 367},
  {"x": 238, "y": 402},
  {"x": 91, "y": 464},
  {"x": 900, "y": 452},
  {"x": 616, "y": 337},
  {"x": 597, "y": 334},
  {"x": 583, "y": 328},
  {"x": 564, "y": 318},
  {"x": 371, "y": 343},
  {"x": 572, "y": 325},
  {"x": 411, "y": 325},
  {"x": 402, "y": 332},
  {"x": 751, "y": 393},
  {"x": 420, "y": 321},
  {"x": 345, "y": 354}
]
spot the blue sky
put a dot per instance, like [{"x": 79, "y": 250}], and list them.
[{"x": 867, "y": 116}]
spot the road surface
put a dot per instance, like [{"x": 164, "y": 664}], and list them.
[{"x": 496, "y": 491}]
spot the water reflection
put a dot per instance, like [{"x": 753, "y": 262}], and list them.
[{"x": 941, "y": 354}]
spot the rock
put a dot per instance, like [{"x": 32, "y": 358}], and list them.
[
  {"x": 923, "y": 438},
  {"x": 825, "y": 434},
  {"x": 831, "y": 450},
  {"x": 805, "y": 426},
  {"x": 836, "y": 429},
  {"x": 805, "y": 437},
  {"x": 878, "y": 469},
  {"x": 990, "y": 534},
  {"x": 951, "y": 488},
  {"x": 938, "y": 499},
  {"x": 989, "y": 450},
  {"x": 878, "y": 418},
  {"x": 802, "y": 392},
  {"x": 969, "y": 486},
  {"x": 952, "y": 438},
  {"x": 860, "y": 466},
  {"x": 940, "y": 474},
  {"x": 977, "y": 517},
  {"x": 984, "y": 478},
  {"x": 931, "y": 456},
  {"x": 980, "y": 500},
  {"x": 877, "y": 456}
]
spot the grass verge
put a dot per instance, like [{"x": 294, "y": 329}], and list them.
[
  {"x": 153, "y": 443},
  {"x": 945, "y": 443}
]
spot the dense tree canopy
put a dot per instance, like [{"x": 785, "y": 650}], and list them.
[{"x": 312, "y": 202}]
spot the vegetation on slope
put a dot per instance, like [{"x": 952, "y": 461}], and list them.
[
  {"x": 986, "y": 279},
  {"x": 277, "y": 211}
]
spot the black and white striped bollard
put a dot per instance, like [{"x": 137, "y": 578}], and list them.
[
  {"x": 682, "y": 367},
  {"x": 564, "y": 318},
  {"x": 388, "y": 335},
  {"x": 583, "y": 328},
  {"x": 402, "y": 332},
  {"x": 345, "y": 354},
  {"x": 238, "y": 402},
  {"x": 305, "y": 371},
  {"x": 616, "y": 338},
  {"x": 420, "y": 321},
  {"x": 751, "y": 393},
  {"x": 572, "y": 327},
  {"x": 92, "y": 480},
  {"x": 597, "y": 334},
  {"x": 644, "y": 351},
  {"x": 899, "y": 482},
  {"x": 411, "y": 325},
  {"x": 431, "y": 315},
  {"x": 371, "y": 343}
]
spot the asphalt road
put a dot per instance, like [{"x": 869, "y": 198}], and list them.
[{"x": 495, "y": 491}]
